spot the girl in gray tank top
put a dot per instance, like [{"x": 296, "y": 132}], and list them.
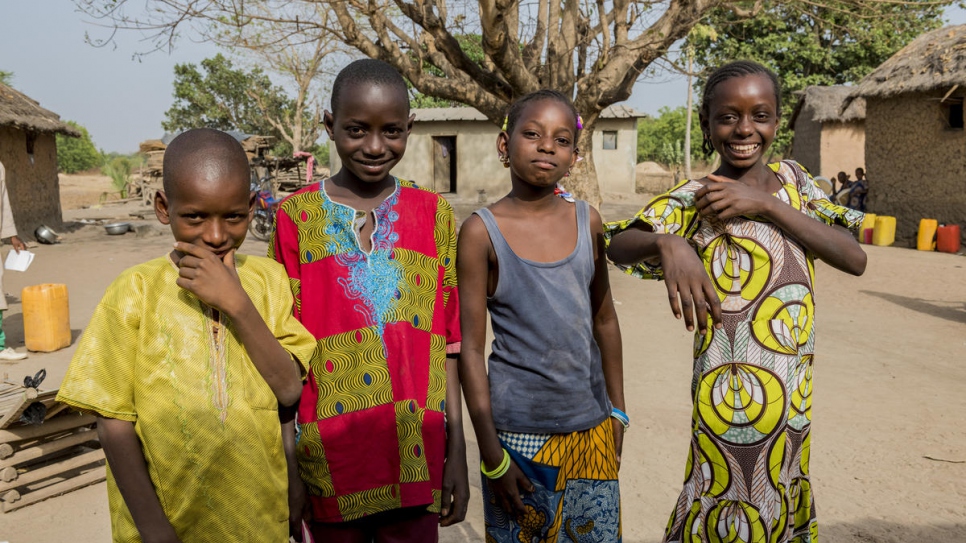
[{"x": 548, "y": 406}]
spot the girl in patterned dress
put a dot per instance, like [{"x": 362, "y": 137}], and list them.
[
  {"x": 547, "y": 407},
  {"x": 736, "y": 251}
]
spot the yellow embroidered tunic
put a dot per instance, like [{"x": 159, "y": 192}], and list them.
[{"x": 207, "y": 421}]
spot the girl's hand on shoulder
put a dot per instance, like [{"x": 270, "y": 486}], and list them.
[
  {"x": 689, "y": 288},
  {"x": 509, "y": 490},
  {"x": 726, "y": 198}
]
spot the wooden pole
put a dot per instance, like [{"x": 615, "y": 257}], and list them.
[
  {"x": 48, "y": 447},
  {"x": 96, "y": 475},
  {"x": 51, "y": 426},
  {"x": 53, "y": 469}
]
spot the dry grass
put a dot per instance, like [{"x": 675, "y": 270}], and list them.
[{"x": 84, "y": 190}]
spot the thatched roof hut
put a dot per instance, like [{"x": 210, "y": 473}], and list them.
[
  {"x": 916, "y": 131},
  {"x": 20, "y": 111},
  {"x": 825, "y": 104},
  {"x": 28, "y": 151},
  {"x": 935, "y": 59},
  {"x": 829, "y": 135}
]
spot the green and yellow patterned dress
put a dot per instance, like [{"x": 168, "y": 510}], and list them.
[{"x": 747, "y": 477}]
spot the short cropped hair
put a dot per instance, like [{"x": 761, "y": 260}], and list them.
[
  {"x": 189, "y": 146},
  {"x": 369, "y": 71}
]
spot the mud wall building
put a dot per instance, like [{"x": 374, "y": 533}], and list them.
[
  {"x": 28, "y": 151},
  {"x": 827, "y": 139},
  {"x": 915, "y": 138},
  {"x": 453, "y": 151}
]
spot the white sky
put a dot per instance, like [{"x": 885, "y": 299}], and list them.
[{"x": 122, "y": 100}]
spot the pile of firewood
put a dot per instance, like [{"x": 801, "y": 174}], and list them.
[{"x": 45, "y": 449}]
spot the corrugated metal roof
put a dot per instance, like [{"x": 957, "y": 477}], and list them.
[{"x": 440, "y": 114}]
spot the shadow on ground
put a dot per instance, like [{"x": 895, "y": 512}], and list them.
[
  {"x": 949, "y": 310},
  {"x": 878, "y": 531}
]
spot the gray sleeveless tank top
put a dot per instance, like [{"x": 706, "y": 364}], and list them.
[{"x": 544, "y": 369}]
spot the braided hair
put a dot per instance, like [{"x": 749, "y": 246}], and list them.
[
  {"x": 740, "y": 68},
  {"x": 513, "y": 114}
]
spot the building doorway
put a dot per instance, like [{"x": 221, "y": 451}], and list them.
[{"x": 444, "y": 164}]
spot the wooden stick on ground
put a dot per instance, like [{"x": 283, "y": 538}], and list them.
[
  {"x": 53, "y": 469},
  {"x": 96, "y": 475},
  {"x": 48, "y": 447},
  {"x": 50, "y": 426}
]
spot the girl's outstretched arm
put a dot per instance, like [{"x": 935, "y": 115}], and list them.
[
  {"x": 607, "y": 330},
  {"x": 726, "y": 198},
  {"x": 684, "y": 274},
  {"x": 472, "y": 269}
]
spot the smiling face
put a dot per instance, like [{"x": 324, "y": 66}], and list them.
[
  {"x": 369, "y": 128},
  {"x": 742, "y": 120},
  {"x": 542, "y": 146},
  {"x": 208, "y": 207}
]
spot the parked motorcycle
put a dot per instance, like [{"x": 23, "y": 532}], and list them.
[{"x": 263, "y": 222}]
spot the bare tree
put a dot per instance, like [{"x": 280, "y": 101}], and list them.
[
  {"x": 593, "y": 50},
  {"x": 304, "y": 57}
]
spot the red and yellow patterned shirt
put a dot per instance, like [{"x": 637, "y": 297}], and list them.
[{"x": 372, "y": 431}]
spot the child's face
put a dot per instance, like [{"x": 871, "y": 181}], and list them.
[
  {"x": 370, "y": 129},
  {"x": 211, "y": 213},
  {"x": 742, "y": 119},
  {"x": 542, "y": 145}
]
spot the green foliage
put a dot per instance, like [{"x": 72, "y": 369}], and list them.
[
  {"x": 217, "y": 95},
  {"x": 826, "y": 43},
  {"x": 119, "y": 169},
  {"x": 77, "y": 154},
  {"x": 472, "y": 46},
  {"x": 672, "y": 154},
  {"x": 6, "y": 77},
  {"x": 321, "y": 153},
  {"x": 655, "y": 134}
]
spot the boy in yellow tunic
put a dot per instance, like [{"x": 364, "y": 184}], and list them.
[{"x": 185, "y": 362}]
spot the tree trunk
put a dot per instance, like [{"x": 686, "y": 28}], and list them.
[{"x": 583, "y": 177}]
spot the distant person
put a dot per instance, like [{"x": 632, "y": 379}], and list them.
[
  {"x": 186, "y": 361},
  {"x": 736, "y": 250},
  {"x": 859, "y": 191},
  {"x": 7, "y": 230},
  {"x": 548, "y": 405},
  {"x": 841, "y": 194},
  {"x": 371, "y": 259}
]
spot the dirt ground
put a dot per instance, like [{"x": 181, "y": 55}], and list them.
[{"x": 888, "y": 451}]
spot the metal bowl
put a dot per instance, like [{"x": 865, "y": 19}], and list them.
[
  {"x": 46, "y": 235},
  {"x": 117, "y": 228}
]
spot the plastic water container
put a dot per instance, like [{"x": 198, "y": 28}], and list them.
[
  {"x": 868, "y": 223},
  {"x": 926, "y": 240},
  {"x": 947, "y": 238},
  {"x": 46, "y": 317},
  {"x": 885, "y": 231}
]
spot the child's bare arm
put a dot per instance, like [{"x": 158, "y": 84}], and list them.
[
  {"x": 214, "y": 281},
  {"x": 684, "y": 274},
  {"x": 607, "y": 330},
  {"x": 456, "y": 484},
  {"x": 298, "y": 510},
  {"x": 123, "y": 451},
  {"x": 726, "y": 198},
  {"x": 472, "y": 267}
]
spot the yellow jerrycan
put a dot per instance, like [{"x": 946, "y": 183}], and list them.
[
  {"x": 46, "y": 317},
  {"x": 926, "y": 240},
  {"x": 868, "y": 224},
  {"x": 885, "y": 231}
]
